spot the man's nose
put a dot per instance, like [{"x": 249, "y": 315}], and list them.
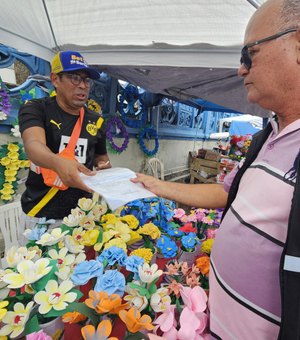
[{"x": 243, "y": 71}]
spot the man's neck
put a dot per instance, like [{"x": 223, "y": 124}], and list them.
[{"x": 67, "y": 108}]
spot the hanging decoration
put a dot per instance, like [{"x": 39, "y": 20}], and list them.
[
  {"x": 5, "y": 105},
  {"x": 12, "y": 159},
  {"x": 115, "y": 123},
  {"x": 148, "y": 133},
  {"x": 132, "y": 110}
]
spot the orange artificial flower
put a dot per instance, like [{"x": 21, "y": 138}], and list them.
[
  {"x": 102, "y": 303},
  {"x": 133, "y": 320},
  {"x": 103, "y": 331},
  {"x": 202, "y": 263},
  {"x": 73, "y": 317}
]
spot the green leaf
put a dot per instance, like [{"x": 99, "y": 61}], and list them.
[
  {"x": 152, "y": 288},
  {"x": 32, "y": 325},
  {"x": 84, "y": 310},
  {"x": 55, "y": 313},
  {"x": 142, "y": 291},
  {"x": 100, "y": 236},
  {"x": 41, "y": 283},
  {"x": 64, "y": 227},
  {"x": 178, "y": 306}
]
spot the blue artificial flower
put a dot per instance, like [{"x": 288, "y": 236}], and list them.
[
  {"x": 174, "y": 232},
  {"x": 167, "y": 246},
  {"x": 132, "y": 264},
  {"x": 189, "y": 241},
  {"x": 85, "y": 271},
  {"x": 35, "y": 233},
  {"x": 112, "y": 282},
  {"x": 113, "y": 255}
]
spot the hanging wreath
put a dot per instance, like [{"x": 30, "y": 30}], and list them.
[
  {"x": 132, "y": 110},
  {"x": 116, "y": 123},
  {"x": 148, "y": 133},
  {"x": 5, "y": 105}
]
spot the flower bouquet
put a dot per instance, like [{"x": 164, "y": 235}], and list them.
[{"x": 32, "y": 292}]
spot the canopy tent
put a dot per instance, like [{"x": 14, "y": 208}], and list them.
[{"x": 180, "y": 48}]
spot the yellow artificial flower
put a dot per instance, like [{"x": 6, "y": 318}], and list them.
[
  {"x": 7, "y": 191},
  {"x": 16, "y": 255},
  {"x": 134, "y": 237},
  {"x": 13, "y": 155},
  {"x": 87, "y": 223},
  {"x": 6, "y": 197},
  {"x": 3, "y": 310},
  {"x": 150, "y": 229},
  {"x": 15, "y": 321},
  {"x": 73, "y": 246},
  {"x": 52, "y": 237},
  {"x": 131, "y": 221},
  {"x": 13, "y": 147},
  {"x": 64, "y": 261},
  {"x": 7, "y": 185},
  {"x": 24, "y": 163},
  {"x": 116, "y": 242},
  {"x": 108, "y": 219},
  {"x": 74, "y": 218},
  {"x": 28, "y": 272},
  {"x": 10, "y": 173},
  {"x": 5, "y": 161},
  {"x": 145, "y": 253},
  {"x": 206, "y": 246},
  {"x": 55, "y": 296},
  {"x": 13, "y": 166},
  {"x": 10, "y": 179},
  {"x": 78, "y": 234},
  {"x": 86, "y": 204},
  {"x": 98, "y": 210},
  {"x": 90, "y": 237}
]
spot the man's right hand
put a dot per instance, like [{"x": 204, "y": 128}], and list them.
[{"x": 69, "y": 170}]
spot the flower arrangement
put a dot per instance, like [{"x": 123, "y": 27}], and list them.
[
  {"x": 5, "y": 105},
  {"x": 12, "y": 159},
  {"x": 148, "y": 132},
  {"x": 120, "y": 129},
  {"x": 239, "y": 146},
  {"x": 32, "y": 292}
]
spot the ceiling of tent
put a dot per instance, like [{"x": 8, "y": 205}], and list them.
[{"x": 181, "y": 48}]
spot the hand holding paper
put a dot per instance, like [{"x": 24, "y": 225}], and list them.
[{"x": 115, "y": 187}]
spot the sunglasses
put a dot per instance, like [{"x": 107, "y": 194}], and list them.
[
  {"x": 76, "y": 79},
  {"x": 245, "y": 55}
]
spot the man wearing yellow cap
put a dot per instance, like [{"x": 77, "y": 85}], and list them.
[{"x": 62, "y": 139}]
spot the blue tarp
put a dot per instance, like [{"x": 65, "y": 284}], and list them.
[{"x": 242, "y": 128}]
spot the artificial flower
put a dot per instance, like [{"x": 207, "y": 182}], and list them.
[
  {"x": 132, "y": 264},
  {"x": 202, "y": 263},
  {"x": 206, "y": 246},
  {"x": 13, "y": 147},
  {"x": 98, "y": 210},
  {"x": 78, "y": 234},
  {"x": 167, "y": 246},
  {"x": 188, "y": 228},
  {"x": 144, "y": 253},
  {"x": 112, "y": 282},
  {"x": 49, "y": 239},
  {"x": 55, "y": 296},
  {"x": 151, "y": 230},
  {"x": 73, "y": 317},
  {"x": 103, "y": 331},
  {"x": 28, "y": 272},
  {"x": 85, "y": 271},
  {"x": 108, "y": 220},
  {"x": 134, "y": 298},
  {"x": 90, "y": 237},
  {"x": 87, "y": 223},
  {"x": 103, "y": 303},
  {"x": 86, "y": 204},
  {"x": 160, "y": 299},
  {"x": 113, "y": 255},
  {"x": 134, "y": 321},
  {"x": 134, "y": 237},
  {"x": 131, "y": 221},
  {"x": 74, "y": 218},
  {"x": 116, "y": 242},
  {"x": 15, "y": 321},
  {"x": 72, "y": 245},
  {"x": 3, "y": 310},
  {"x": 148, "y": 274},
  {"x": 64, "y": 261},
  {"x": 15, "y": 255}
]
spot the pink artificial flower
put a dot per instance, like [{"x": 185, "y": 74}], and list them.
[
  {"x": 166, "y": 322},
  {"x": 155, "y": 337},
  {"x": 40, "y": 335},
  {"x": 185, "y": 268},
  {"x": 194, "y": 298},
  {"x": 211, "y": 233},
  {"x": 192, "y": 217},
  {"x": 174, "y": 287},
  {"x": 192, "y": 325},
  {"x": 179, "y": 213},
  {"x": 192, "y": 280}
]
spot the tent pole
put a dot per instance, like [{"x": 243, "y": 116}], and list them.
[{"x": 254, "y": 3}]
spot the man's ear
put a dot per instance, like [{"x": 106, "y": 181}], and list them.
[{"x": 54, "y": 79}]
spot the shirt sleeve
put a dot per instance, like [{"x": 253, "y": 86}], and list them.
[{"x": 31, "y": 114}]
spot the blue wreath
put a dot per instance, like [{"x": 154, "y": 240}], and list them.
[
  {"x": 116, "y": 121},
  {"x": 148, "y": 133},
  {"x": 131, "y": 95}
]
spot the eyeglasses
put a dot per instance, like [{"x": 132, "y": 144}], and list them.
[
  {"x": 76, "y": 79},
  {"x": 245, "y": 55}
]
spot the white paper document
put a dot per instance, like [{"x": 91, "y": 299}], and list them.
[{"x": 115, "y": 187}]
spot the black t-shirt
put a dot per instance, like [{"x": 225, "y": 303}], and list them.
[{"x": 58, "y": 127}]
